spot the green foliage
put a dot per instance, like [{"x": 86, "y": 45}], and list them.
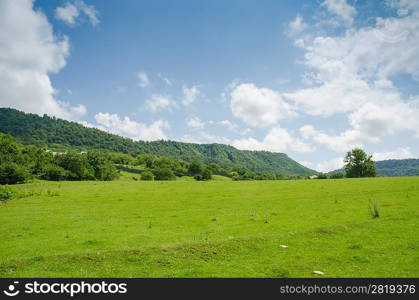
[
  {"x": 195, "y": 168},
  {"x": 12, "y": 173},
  {"x": 8, "y": 149},
  {"x": 359, "y": 164},
  {"x": 322, "y": 176},
  {"x": 47, "y": 131},
  {"x": 6, "y": 193},
  {"x": 398, "y": 167},
  {"x": 338, "y": 175},
  {"x": 102, "y": 167},
  {"x": 147, "y": 176},
  {"x": 19, "y": 162},
  {"x": 121, "y": 158},
  {"x": 77, "y": 166},
  {"x": 205, "y": 175},
  {"x": 54, "y": 172},
  {"x": 164, "y": 174}
]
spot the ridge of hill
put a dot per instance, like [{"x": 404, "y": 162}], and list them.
[{"x": 50, "y": 131}]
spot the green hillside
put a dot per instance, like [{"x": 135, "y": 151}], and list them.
[
  {"x": 49, "y": 131},
  {"x": 398, "y": 167},
  {"x": 393, "y": 167}
]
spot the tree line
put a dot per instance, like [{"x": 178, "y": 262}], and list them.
[
  {"x": 31, "y": 129},
  {"x": 18, "y": 163}
]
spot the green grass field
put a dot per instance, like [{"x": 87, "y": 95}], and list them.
[{"x": 221, "y": 228}]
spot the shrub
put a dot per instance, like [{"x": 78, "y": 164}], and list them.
[
  {"x": 337, "y": 175},
  {"x": 164, "y": 174},
  {"x": 147, "y": 176},
  {"x": 322, "y": 176},
  {"x": 198, "y": 177},
  {"x": 77, "y": 166},
  {"x": 6, "y": 193},
  {"x": 11, "y": 173},
  {"x": 204, "y": 175},
  {"x": 195, "y": 168},
  {"x": 54, "y": 172}
]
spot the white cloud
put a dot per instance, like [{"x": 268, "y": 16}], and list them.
[
  {"x": 195, "y": 122},
  {"x": 342, "y": 9},
  {"x": 158, "y": 102},
  {"x": 69, "y": 12},
  {"x": 297, "y": 26},
  {"x": 190, "y": 94},
  {"x": 166, "y": 80},
  {"x": 352, "y": 75},
  {"x": 342, "y": 142},
  {"x": 325, "y": 166},
  {"x": 143, "y": 79},
  {"x": 399, "y": 153},
  {"x": 29, "y": 52},
  {"x": 258, "y": 107},
  {"x": 227, "y": 124},
  {"x": 132, "y": 129},
  {"x": 277, "y": 140}
]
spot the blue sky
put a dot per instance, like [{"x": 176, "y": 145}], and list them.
[{"x": 312, "y": 79}]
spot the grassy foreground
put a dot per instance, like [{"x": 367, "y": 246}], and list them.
[{"x": 221, "y": 228}]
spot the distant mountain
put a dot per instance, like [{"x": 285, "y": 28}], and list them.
[
  {"x": 398, "y": 167},
  {"x": 394, "y": 167},
  {"x": 50, "y": 131}
]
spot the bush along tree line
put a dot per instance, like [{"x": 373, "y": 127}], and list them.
[
  {"x": 154, "y": 167},
  {"x": 19, "y": 163}
]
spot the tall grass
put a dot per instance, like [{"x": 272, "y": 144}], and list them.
[{"x": 374, "y": 209}]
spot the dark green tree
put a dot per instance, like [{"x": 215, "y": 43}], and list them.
[
  {"x": 53, "y": 172},
  {"x": 164, "y": 174},
  {"x": 11, "y": 173},
  {"x": 147, "y": 176},
  {"x": 359, "y": 164},
  {"x": 77, "y": 165},
  {"x": 195, "y": 168},
  {"x": 9, "y": 151}
]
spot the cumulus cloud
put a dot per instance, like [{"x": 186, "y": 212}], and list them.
[
  {"x": 195, "y": 122},
  {"x": 352, "y": 74},
  {"x": 342, "y": 142},
  {"x": 325, "y": 166},
  {"x": 276, "y": 140},
  {"x": 297, "y": 26},
  {"x": 190, "y": 95},
  {"x": 71, "y": 11},
  {"x": 158, "y": 102},
  {"x": 342, "y": 9},
  {"x": 399, "y": 153},
  {"x": 29, "y": 52},
  {"x": 132, "y": 129},
  {"x": 143, "y": 80},
  {"x": 227, "y": 124},
  {"x": 166, "y": 80},
  {"x": 258, "y": 107}
]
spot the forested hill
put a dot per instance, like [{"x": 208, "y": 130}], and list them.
[
  {"x": 398, "y": 167},
  {"x": 47, "y": 131},
  {"x": 394, "y": 167}
]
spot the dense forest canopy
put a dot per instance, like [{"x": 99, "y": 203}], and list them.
[
  {"x": 31, "y": 129},
  {"x": 393, "y": 168}
]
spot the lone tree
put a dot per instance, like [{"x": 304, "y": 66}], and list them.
[{"x": 359, "y": 164}]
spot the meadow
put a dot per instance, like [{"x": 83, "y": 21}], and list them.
[{"x": 220, "y": 228}]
